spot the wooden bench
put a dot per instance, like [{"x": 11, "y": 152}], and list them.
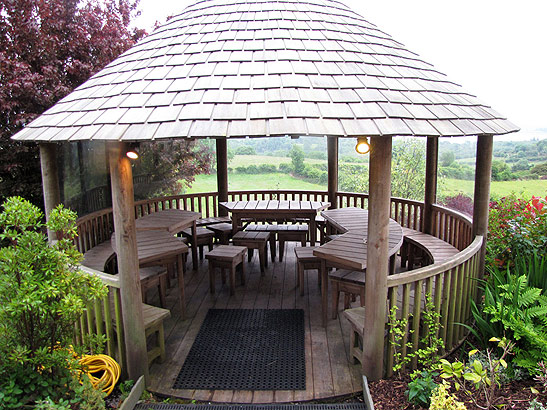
[
  {"x": 103, "y": 258},
  {"x": 254, "y": 240},
  {"x": 213, "y": 220},
  {"x": 203, "y": 237},
  {"x": 286, "y": 233},
  {"x": 425, "y": 249},
  {"x": 433, "y": 249},
  {"x": 153, "y": 325}
]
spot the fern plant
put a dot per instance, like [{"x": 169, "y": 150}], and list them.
[{"x": 522, "y": 310}]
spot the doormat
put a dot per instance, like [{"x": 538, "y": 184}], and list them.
[{"x": 247, "y": 349}]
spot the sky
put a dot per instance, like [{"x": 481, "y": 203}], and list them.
[{"x": 495, "y": 49}]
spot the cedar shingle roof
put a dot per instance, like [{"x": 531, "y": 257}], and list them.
[{"x": 238, "y": 68}]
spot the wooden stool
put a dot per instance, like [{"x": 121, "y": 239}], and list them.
[
  {"x": 291, "y": 233},
  {"x": 321, "y": 224},
  {"x": 272, "y": 229},
  {"x": 356, "y": 318},
  {"x": 223, "y": 232},
  {"x": 226, "y": 257},
  {"x": 151, "y": 277},
  {"x": 305, "y": 260},
  {"x": 153, "y": 324},
  {"x": 347, "y": 281},
  {"x": 204, "y": 237},
  {"x": 254, "y": 240}
]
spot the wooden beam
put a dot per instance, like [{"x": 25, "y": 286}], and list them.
[
  {"x": 332, "y": 185},
  {"x": 50, "y": 180},
  {"x": 377, "y": 256},
  {"x": 431, "y": 163},
  {"x": 481, "y": 200},
  {"x": 222, "y": 173},
  {"x": 128, "y": 264}
]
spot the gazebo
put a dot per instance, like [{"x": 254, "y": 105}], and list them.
[{"x": 226, "y": 69}]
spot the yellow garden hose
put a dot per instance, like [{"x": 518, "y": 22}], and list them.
[{"x": 102, "y": 371}]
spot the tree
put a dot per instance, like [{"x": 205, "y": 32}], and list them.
[
  {"x": 47, "y": 48},
  {"x": 447, "y": 158},
  {"x": 408, "y": 169},
  {"x": 297, "y": 156}
]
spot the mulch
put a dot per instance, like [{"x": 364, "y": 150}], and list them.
[{"x": 389, "y": 394}]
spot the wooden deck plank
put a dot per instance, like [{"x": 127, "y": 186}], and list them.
[{"x": 326, "y": 350}]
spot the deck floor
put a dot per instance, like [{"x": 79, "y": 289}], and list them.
[{"x": 329, "y": 369}]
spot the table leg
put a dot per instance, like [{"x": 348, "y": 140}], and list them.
[
  {"x": 194, "y": 246},
  {"x": 236, "y": 222},
  {"x": 180, "y": 276},
  {"x": 313, "y": 231},
  {"x": 324, "y": 291}
]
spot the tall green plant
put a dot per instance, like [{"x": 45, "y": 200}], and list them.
[{"x": 42, "y": 294}]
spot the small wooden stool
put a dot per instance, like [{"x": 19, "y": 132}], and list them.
[
  {"x": 351, "y": 283},
  {"x": 291, "y": 233},
  {"x": 204, "y": 237},
  {"x": 223, "y": 232},
  {"x": 356, "y": 318},
  {"x": 153, "y": 324},
  {"x": 254, "y": 240},
  {"x": 272, "y": 229},
  {"x": 151, "y": 277},
  {"x": 306, "y": 260},
  {"x": 226, "y": 257}
]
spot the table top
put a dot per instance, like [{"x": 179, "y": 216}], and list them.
[
  {"x": 349, "y": 249},
  {"x": 279, "y": 207},
  {"x": 155, "y": 245},
  {"x": 170, "y": 220}
]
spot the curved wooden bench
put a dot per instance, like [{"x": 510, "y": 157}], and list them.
[
  {"x": 99, "y": 257},
  {"x": 423, "y": 247}
]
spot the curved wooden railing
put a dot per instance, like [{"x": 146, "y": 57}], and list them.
[{"x": 450, "y": 284}]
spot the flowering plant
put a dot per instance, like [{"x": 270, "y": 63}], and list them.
[{"x": 517, "y": 227}]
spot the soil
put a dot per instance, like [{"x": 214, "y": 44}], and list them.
[{"x": 389, "y": 394}]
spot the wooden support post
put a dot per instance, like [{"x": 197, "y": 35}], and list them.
[
  {"x": 332, "y": 185},
  {"x": 50, "y": 181},
  {"x": 377, "y": 256},
  {"x": 128, "y": 264},
  {"x": 481, "y": 200},
  {"x": 222, "y": 173},
  {"x": 431, "y": 161}
]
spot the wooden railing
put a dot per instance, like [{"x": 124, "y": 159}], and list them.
[
  {"x": 450, "y": 284},
  {"x": 104, "y": 318}
]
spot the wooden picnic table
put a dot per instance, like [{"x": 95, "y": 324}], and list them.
[
  {"x": 159, "y": 247},
  {"x": 172, "y": 221},
  {"x": 349, "y": 250},
  {"x": 274, "y": 209}
]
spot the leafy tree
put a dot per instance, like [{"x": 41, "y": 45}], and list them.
[
  {"x": 539, "y": 169},
  {"x": 47, "y": 48},
  {"x": 408, "y": 169},
  {"x": 245, "y": 150},
  {"x": 297, "y": 156},
  {"x": 447, "y": 158},
  {"x": 170, "y": 166},
  {"x": 501, "y": 171}
]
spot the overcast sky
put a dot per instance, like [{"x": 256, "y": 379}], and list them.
[{"x": 495, "y": 49}]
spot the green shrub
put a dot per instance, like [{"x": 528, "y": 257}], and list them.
[
  {"x": 441, "y": 399},
  {"x": 267, "y": 168},
  {"x": 421, "y": 387},
  {"x": 285, "y": 168},
  {"x": 42, "y": 294}
]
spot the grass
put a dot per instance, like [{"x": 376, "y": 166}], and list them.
[
  {"x": 523, "y": 189},
  {"x": 236, "y": 182}
]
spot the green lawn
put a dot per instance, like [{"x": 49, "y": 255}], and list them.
[
  {"x": 246, "y": 160},
  {"x": 208, "y": 183},
  {"x": 523, "y": 189},
  {"x": 236, "y": 182}
]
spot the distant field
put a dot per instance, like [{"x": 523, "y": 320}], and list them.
[
  {"x": 236, "y": 182},
  {"x": 497, "y": 188},
  {"x": 208, "y": 183},
  {"x": 246, "y": 160}
]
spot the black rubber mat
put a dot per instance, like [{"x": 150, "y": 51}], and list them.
[
  {"x": 336, "y": 406},
  {"x": 247, "y": 349}
]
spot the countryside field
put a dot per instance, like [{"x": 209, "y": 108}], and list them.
[{"x": 237, "y": 181}]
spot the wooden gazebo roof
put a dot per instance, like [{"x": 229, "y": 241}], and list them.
[{"x": 238, "y": 68}]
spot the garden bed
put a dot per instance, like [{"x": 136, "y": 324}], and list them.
[{"x": 389, "y": 394}]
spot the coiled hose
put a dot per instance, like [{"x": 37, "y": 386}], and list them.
[{"x": 102, "y": 371}]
